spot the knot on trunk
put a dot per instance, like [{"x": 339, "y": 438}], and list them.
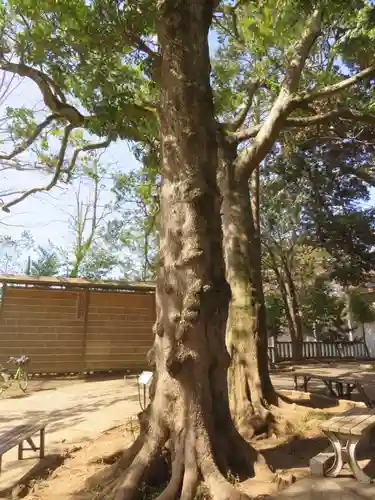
[
  {"x": 151, "y": 357},
  {"x": 177, "y": 356}
]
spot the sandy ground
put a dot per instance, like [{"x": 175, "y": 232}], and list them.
[
  {"x": 76, "y": 412},
  {"x": 91, "y": 424}
]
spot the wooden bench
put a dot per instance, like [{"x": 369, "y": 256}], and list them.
[
  {"x": 344, "y": 432},
  {"x": 16, "y": 436},
  {"x": 338, "y": 386}
]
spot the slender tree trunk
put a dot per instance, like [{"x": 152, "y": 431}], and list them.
[
  {"x": 295, "y": 314},
  {"x": 256, "y": 248},
  {"x": 250, "y": 387},
  {"x": 190, "y": 406},
  {"x": 296, "y": 345}
]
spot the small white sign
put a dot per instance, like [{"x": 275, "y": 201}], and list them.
[{"x": 145, "y": 377}]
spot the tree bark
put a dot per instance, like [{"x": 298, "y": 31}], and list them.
[
  {"x": 256, "y": 247},
  {"x": 294, "y": 311},
  {"x": 250, "y": 387},
  {"x": 290, "y": 301},
  {"x": 190, "y": 406}
]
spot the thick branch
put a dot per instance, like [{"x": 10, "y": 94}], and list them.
[
  {"x": 29, "y": 141},
  {"x": 55, "y": 178},
  {"x": 335, "y": 88},
  {"x": 52, "y": 96},
  {"x": 250, "y": 157},
  {"x": 343, "y": 113},
  {"x": 302, "y": 51}
]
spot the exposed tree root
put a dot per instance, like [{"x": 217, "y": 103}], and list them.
[
  {"x": 190, "y": 434},
  {"x": 194, "y": 448}
]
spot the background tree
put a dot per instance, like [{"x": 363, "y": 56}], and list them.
[
  {"x": 88, "y": 253},
  {"x": 134, "y": 231},
  {"x": 12, "y": 250},
  {"x": 46, "y": 263}
]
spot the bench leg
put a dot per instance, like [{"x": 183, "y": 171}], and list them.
[
  {"x": 338, "y": 462},
  {"x": 42, "y": 443},
  {"x": 20, "y": 450},
  {"x": 357, "y": 471},
  {"x": 31, "y": 444},
  {"x": 305, "y": 383}
]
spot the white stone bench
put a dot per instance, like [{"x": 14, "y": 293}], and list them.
[{"x": 344, "y": 431}]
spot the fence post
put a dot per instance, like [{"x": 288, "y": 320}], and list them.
[
  {"x": 86, "y": 301},
  {"x": 338, "y": 346},
  {"x": 367, "y": 352},
  {"x": 318, "y": 350},
  {"x": 276, "y": 350}
]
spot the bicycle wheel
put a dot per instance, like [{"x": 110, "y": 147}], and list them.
[
  {"x": 23, "y": 380},
  {"x": 4, "y": 382}
]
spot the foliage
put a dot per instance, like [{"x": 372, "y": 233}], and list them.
[
  {"x": 275, "y": 314},
  {"x": 361, "y": 306},
  {"x": 334, "y": 214},
  {"x": 47, "y": 262},
  {"x": 321, "y": 309},
  {"x": 316, "y": 226},
  {"x": 134, "y": 231},
  {"x": 12, "y": 251}
]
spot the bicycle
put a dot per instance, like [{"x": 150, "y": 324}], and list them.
[{"x": 21, "y": 374}]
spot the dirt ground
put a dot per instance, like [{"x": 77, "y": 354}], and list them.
[
  {"x": 78, "y": 475},
  {"x": 76, "y": 472},
  {"x": 75, "y": 411}
]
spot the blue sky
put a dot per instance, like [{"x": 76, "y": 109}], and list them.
[{"x": 46, "y": 215}]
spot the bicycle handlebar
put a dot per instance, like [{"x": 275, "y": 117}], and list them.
[{"x": 22, "y": 360}]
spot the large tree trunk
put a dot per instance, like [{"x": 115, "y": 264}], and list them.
[
  {"x": 250, "y": 387},
  {"x": 190, "y": 406}
]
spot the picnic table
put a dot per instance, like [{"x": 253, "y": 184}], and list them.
[
  {"x": 18, "y": 435},
  {"x": 340, "y": 386},
  {"x": 344, "y": 431}
]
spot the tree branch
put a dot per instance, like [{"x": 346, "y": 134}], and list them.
[
  {"x": 335, "y": 88},
  {"x": 340, "y": 113},
  {"x": 64, "y": 143},
  {"x": 52, "y": 95},
  {"x": 244, "y": 109},
  {"x": 26, "y": 143},
  {"x": 87, "y": 147},
  {"x": 245, "y": 133},
  {"x": 360, "y": 174},
  {"x": 140, "y": 44},
  {"x": 302, "y": 51},
  {"x": 250, "y": 157},
  {"x": 344, "y": 113}
]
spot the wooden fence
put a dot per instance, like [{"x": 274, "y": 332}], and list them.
[
  {"x": 282, "y": 351},
  {"x": 65, "y": 330}
]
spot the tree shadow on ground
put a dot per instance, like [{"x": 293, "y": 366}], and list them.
[
  {"x": 40, "y": 470},
  {"x": 62, "y": 418},
  {"x": 295, "y": 453},
  {"x": 313, "y": 400},
  {"x": 324, "y": 488}
]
